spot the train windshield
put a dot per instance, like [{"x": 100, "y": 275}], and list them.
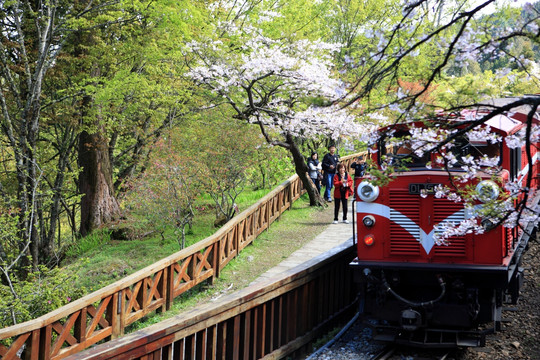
[
  {"x": 398, "y": 151},
  {"x": 479, "y": 149}
]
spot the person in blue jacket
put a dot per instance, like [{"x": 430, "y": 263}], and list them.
[
  {"x": 329, "y": 165},
  {"x": 359, "y": 166}
]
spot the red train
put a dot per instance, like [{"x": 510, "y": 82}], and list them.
[{"x": 419, "y": 287}]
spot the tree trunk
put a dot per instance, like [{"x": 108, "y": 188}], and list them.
[
  {"x": 98, "y": 204},
  {"x": 315, "y": 199}
]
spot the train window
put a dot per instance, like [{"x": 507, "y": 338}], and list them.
[
  {"x": 399, "y": 152},
  {"x": 515, "y": 163},
  {"x": 477, "y": 149}
]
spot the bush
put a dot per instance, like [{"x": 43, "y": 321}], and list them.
[{"x": 43, "y": 291}]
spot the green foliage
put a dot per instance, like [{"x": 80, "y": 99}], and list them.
[
  {"x": 86, "y": 244},
  {"x": 40, "y": 292},
  {"x": 9, "y": 239},
  {"x": 166, "y": 192},
  {"x": 43, "y": 291},
  {"x": 271, "y": 165},
  {"x": 224, "y": 151},
  {"x": 297, "y": 19},
  {"x": 457, "y": 91}
]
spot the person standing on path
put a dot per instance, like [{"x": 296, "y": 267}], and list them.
[
  {"x": 329, "y": 164},
  {"x": 315, "y": 167},
  {"x": 359, "y": 166},
  {"x": 343, "y": 189}
]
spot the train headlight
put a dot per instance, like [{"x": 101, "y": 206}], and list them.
[
  {"x": 487, "y": 190},
  {"x": 368, "y": 221},
  {"x": 367, "y": 192}
]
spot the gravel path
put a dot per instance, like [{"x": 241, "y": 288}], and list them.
[
  {"x": 355, "y": 344},
  {"x": 520, "y": 338}
]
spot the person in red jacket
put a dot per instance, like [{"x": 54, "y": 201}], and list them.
[{"x": 343, "y": 188}]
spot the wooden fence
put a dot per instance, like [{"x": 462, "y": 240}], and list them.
[
  {"x": 105, "y": 314},
  {"x": 268, "y": 320}
]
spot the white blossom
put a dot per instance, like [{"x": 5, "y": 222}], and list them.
[
  {"x": 446, "y": 230},
  {"x": 515, "y": 141},
  {"x": 277, "y": 75},
  {"x": 482, "y": 134},
  {"x": 486, "y": 161}
]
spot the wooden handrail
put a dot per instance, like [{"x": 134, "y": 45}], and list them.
[
  {"x": 105, "y": 313},
  {"x": 313, "y": 293}
]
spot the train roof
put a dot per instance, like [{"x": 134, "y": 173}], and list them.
[
  {"x": 513, "y": 119},
  {"x": 507, "y": 123},
  {"x": 519, "y": 112},
  {"x": 504, "y": 123}
]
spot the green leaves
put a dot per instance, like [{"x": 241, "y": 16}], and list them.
[{"x": 44, "y": 291}]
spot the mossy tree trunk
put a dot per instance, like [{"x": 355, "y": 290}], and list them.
[
  {"x": 315, "y": 199},
  {"x": 98, "y": 203}
]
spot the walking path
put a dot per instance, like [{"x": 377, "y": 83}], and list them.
[{"x": 334, "y": 235}]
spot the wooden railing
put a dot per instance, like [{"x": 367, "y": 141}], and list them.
[
  {"x": 273, "y": 319},
  {"x": 105, "y": 314}
]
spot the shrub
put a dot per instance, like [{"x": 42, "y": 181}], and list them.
[{"x": 43, "y": 291}]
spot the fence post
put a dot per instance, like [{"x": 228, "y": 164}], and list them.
[
  {"x": 80, "y": 326},
  {"x": 170, "y": 286},
  {"x": 115, "y": 314},
  {"x": 235, "y": 240},
  {"x": 267, "y": 214},
  {"x": 216, "y": 259},
  {"x": 164, "y": 288},
  {"x": 32, "y": 349},
  {"x": 45, "y": 339}
]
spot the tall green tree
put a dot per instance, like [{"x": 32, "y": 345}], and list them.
[
  {"x": 131, "y": 96},
  {"x": 33, "y": 37},
  {"x": 84, "y": 85}
]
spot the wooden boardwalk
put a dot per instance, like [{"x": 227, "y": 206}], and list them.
[{"x": 332, "y": 236}]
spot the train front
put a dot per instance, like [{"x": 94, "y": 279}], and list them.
[{"x": 419, "y": 287}]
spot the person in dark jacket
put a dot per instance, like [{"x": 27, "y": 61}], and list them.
[
  {"x": 343, "y": 189},
  {"x": 329, "y": 164},
  {"x": 314, "y": 168},
  {"x": 359, "y": 166}
]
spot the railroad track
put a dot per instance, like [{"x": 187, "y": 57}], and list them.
[
  {"x": 392, "y": 352},
  {"x": 356, "y": 343}
]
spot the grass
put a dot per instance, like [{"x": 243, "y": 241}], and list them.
[
  {"x": 88, "y": 243},
  {"x": 109, "y": 260},
  {"x": 113, "y": 259},
  {"x": 295, "y": 228},
  {"x": 98, "y": 260}
]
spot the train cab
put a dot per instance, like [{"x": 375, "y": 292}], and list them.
[{"x": 434, "y": 259}]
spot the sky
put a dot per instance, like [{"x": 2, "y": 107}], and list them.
[{"x": 513, "y": 3}]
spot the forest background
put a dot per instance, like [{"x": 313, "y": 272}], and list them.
[{"x": 158, "y": 120}]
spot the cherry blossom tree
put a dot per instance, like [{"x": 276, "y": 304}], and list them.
[
  {"x": 285, "y": 88},
  {"x": 455, "y": 35}
]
